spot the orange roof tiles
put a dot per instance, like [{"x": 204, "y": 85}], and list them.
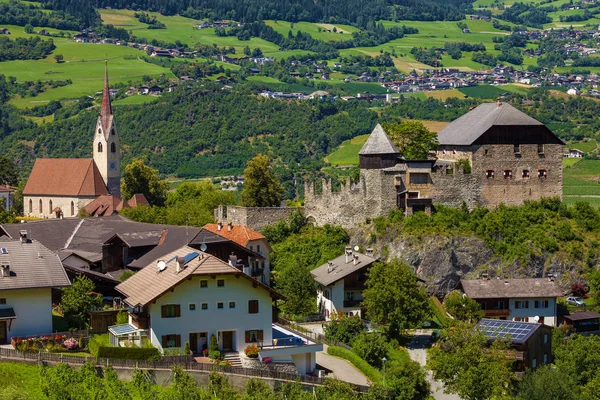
[
  {"x": 239, "y": 234},
  {"x": 65, "y": 177}
]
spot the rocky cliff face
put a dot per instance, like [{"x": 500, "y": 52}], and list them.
[{"x": 443, "y": 261}]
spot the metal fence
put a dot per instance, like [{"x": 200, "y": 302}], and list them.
[
  {"x": 308, "y": 334},
  {"x": 190, "y": 365}
]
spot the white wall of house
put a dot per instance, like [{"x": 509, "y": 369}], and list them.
[
  {"x": 262, "y": 247},
  {"x": 530, "y": 312},
  {"x": 335, "y": 302},
  {"x": 213, "y": 320},
  {"x": 33, "y": 308},
  {"x": 31, "y": 205}
]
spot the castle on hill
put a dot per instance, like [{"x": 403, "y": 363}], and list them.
[
  {"x": 61, "y": 187},
  {"x": 494, "y": 154}
]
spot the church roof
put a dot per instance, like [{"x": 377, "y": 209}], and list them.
[
  {"x": 106, "y": 113},
  {"x": 378, "y": 143},
  {"x": 468, "y": 128},
  {"x": 65, "y": 177}
]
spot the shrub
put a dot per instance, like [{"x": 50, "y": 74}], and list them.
[
  {"x": 214, "y": 344},
  {"x": 214, "y": 355},
  {"x": 122, "y": 317},
  {"x": 186, "y": 348},
  {"x": 129, "y": 353},
  {"x": 370, "y": 372},
  {"x": 96, "y": 342},
  {"x": 578, "y": 290},
  {"x": 71, "y": 344},
  {"x": 371, "y": 347},
  {"x": 251, "y": 351},
  {"x": 343, "y": 329}
]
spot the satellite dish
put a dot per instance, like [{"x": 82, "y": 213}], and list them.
[
  {"x": 203, "y": 247},
  {"x": 536, "y": 319},
  {"x": 356, "y": 248},
  {"x": 161, "y": 266}
]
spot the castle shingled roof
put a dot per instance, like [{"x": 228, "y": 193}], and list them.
[
  {"x": 468, "y": 128},
  {"x": 378, "y": 143}
]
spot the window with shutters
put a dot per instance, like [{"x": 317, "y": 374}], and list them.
[
  {"x": 489, "y": 173},
  {"x": 253, "y": 306},
  {"x": 542, "y": 173},
  {"x": 171, "y": 341},
  {"x": 254, "y": 336},
  {"x": 525, "y": 173},
  {"x": 171, "y": 311}
]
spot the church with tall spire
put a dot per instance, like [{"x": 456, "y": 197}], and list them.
[{"x": 62, "y": 187}]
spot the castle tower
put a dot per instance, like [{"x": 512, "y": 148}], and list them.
[
  {"x": 107, "y": 150},
  {"x": 379, "y": 151}
]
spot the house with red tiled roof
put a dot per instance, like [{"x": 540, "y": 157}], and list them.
[
  {"x": 105, "y": 206},
  {"x": 252, "y": 240},
  {"x": 60, "y": 187}
]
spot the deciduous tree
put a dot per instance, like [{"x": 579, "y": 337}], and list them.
[
  {"x": 140, "y": 178},
  {"x": 8, "y": 172},
  {"x": 261, "y": 187},
  {"x": 393, "y": 296},
  {"x": 412, "y": 138},
  {"x": 78, "y": 300},
  {"x": 344, "y": 329},
  {"x": 297, "y": 284},
  {"x": 469, "y": 366},
  {"x": 462, "y": 307}
]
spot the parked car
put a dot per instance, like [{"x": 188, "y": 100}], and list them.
[{"x": 576, "y": 301}]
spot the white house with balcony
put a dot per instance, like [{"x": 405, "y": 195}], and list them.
[
  {"x": 526, "y": 300},
  {"x": 189, "y": 296},
  {"x": 341, "y": 282},
  {"x": 28, "y": 273}
]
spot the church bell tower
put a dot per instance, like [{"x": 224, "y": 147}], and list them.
[{"x": 107, "y": 150}]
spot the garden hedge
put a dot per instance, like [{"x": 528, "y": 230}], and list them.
[
  {"x": 129, "y": 353},
  {"x": 368, "y": 370}
]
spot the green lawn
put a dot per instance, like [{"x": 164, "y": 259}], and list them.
[
  {"x": 137, "y": 99},
  {"x": 585, "y": 146},
  {"x": 347, "y": 154},
  {"x": 344, "y": 32}
]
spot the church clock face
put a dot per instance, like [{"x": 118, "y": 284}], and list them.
[{"x": 113, "y": 165}]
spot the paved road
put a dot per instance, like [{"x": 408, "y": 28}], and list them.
[
  {"x": 417, "y": 349},
  {"x": 341, "y": 368}
]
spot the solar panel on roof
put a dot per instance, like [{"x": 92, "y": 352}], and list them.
[
  {"x": 189, "y": 257},
  {"x": 516, "y": 331},
  {"x": 3, "y": 250}
]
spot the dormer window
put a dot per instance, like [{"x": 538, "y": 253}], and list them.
[
  {"x": 542, "y": 173},
  {"x": 5, "y": 270},
  {"x": 507, "y": 173}
]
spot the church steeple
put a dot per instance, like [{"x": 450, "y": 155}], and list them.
[
  {"x": 107, "y": 150},
  {"x": 106, "y": 112}
]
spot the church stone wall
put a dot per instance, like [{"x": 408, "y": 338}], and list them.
[{"x": 64, "y": 202}]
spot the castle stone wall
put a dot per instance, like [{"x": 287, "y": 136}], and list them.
[
  {"x": 253, "y": 217},
  {"x": 452, "y": 190}
]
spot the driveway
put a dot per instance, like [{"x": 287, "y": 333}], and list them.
[
  {"x": 417, "y": 349},
  {"x": 341, "y": 368}
]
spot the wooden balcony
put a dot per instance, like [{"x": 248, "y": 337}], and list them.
[
  {"x": 497, "y": 313},
  {"x": 140, "y": 321}
]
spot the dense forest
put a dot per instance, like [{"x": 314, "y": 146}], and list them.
[
  {"x": 25, "y": 48},
  {"x": 16, "y": 13},
  {"x": 357, "y": 12}
]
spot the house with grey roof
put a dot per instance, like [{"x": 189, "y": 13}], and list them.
[
  {"x": 528, "y": 300},
  {"x": 341, "y": 282},
  {"x": 28, "y": 273}
]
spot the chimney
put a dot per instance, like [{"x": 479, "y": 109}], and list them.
[
  {"x": 229, "y": 227},
  {"x": 329, "y": 267},
  {"x": 219, "y": 226},
  {"x": 355, "y": 259},
  {"x": 24, "y": 236},
  {"x": 369, "y": 252},
  {"x": 5, "y": 270},
  {"x": 348, "y": 254},
  {"x": 180, "y": 264}
]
